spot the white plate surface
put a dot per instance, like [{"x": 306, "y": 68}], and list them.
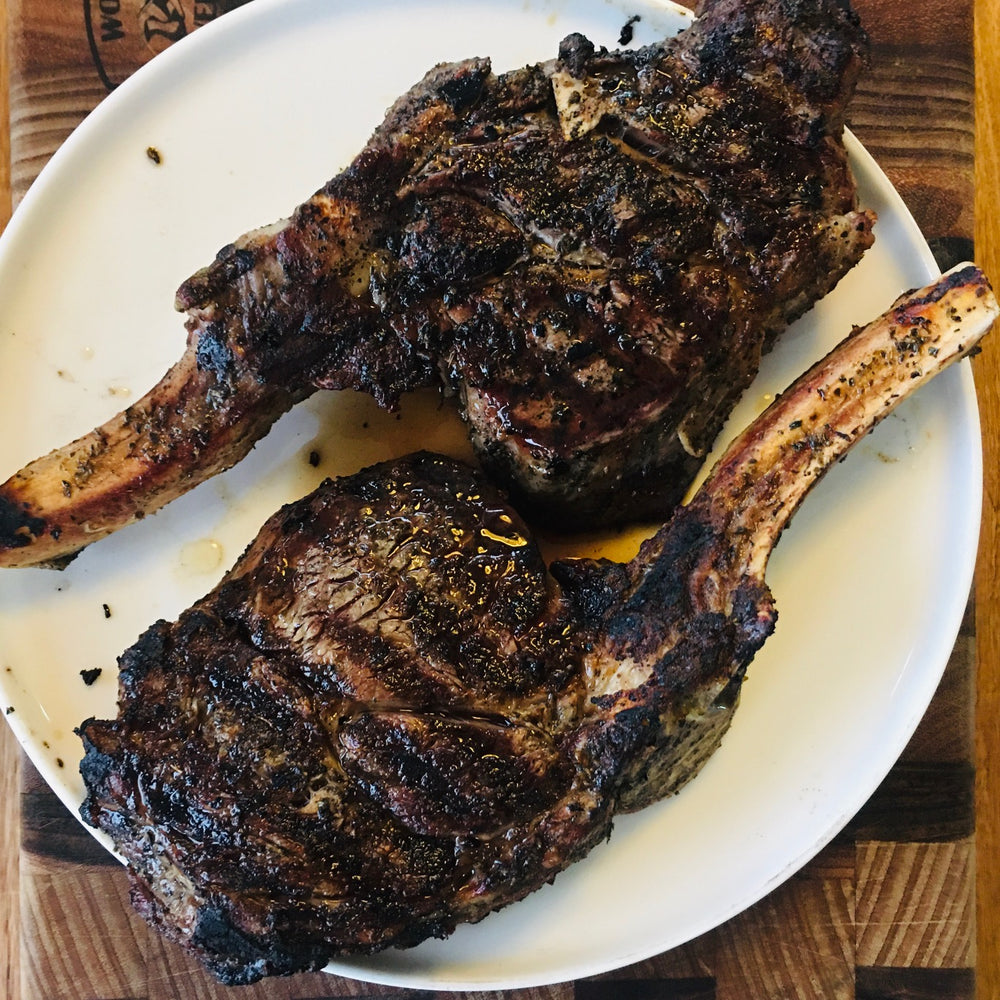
[{"x": 250, "y": 115}]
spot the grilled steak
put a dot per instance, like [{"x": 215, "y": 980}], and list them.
[
  {"x": 389, "y": 717},
  {"x": 590, "y": 254}
]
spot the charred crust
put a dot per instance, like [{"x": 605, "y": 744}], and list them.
[
  {"x": 954, "y": 279},
  {"x": 442, "y": 776},
  {"x": 453, "y": 241},
  {"x": 575, "y": 51},
  {"x": 18, "y": 527},
  {"x": 148, "y": 651},
  {"x": 235, "y": 261},
  {"x": 98, "y": 768},
  {"x": 815, "y": 47},
  {"x": 463, "y": 89},
  {"x": 237, "y": 958},
  {"x": 591, "y": 586},
  {"x": 214, "y": 353},
  {"x": 230, "y": 264}
]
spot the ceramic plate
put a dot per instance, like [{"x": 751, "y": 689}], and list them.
[{"x": 250, "y": 115}]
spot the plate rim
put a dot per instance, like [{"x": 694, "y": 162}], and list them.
[{"x": 207, "y": 36}]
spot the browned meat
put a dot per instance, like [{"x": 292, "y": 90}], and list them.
[
  {"x": 389, "y": 717},
  {"x": 590, "y": 253}
]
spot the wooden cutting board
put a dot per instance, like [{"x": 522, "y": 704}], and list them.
[{"x": 885, "y": 911}]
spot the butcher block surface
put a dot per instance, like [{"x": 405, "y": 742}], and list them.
[{"x": 888, "y": 909}]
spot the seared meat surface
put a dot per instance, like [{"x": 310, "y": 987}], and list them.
[
  {"x": 390, "y": 718},
  {"x": 589, "y": 253}
]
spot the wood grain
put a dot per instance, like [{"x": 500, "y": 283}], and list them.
[
  {"x": 886, "y": 909},
  {"x": 10, "y": 758},
  {"x": 987, "y": 180},
  {"x": 933, "y": 929}
]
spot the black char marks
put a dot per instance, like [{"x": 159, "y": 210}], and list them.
[{"x": 18, "y": 526}]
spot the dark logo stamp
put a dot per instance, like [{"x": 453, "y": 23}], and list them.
[{"x": 124, "y": 34}]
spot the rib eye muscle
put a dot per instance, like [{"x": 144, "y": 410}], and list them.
[
  {"x": 590, "y": 253},
  {"x": 389, "y": 718}
]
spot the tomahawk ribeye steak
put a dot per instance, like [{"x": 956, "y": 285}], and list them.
[
  {"x": 389, "y": 717},
  {"x": 590, "y": 253}
]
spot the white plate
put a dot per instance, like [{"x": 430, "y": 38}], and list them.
[{"x": 250, "y": 115}]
